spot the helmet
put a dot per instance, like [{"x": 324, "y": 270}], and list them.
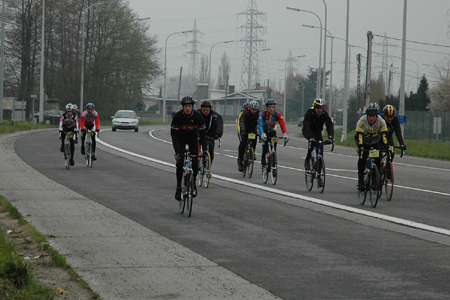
[
  {"x": 373, "y": 109},
  {"x": 246, "y": 104},
  {"x": 389, "y": 110},
  {"x": 74, "y": 107},
  {"x": 270, "y": 102},
  {"x": 90, "y": 105},
  {"x": 318, "y": 102},
  {"x": 254, "y": 104},
  {"x": 206, "y": 103},
  {"x": 69, "y": 107},
  {"x": 187, "y": 100}
]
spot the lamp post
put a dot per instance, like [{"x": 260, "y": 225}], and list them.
[
  {"x": 285, "y": 80},
  {"x": 41, "y": 79},
  {"x": 318, "y": 86},
  {"x": 324, "y": 76},
  {"x": 165, "y": 71},
  {"x": 83, "y": 20},
  {"x": 2, "y": 64},
  {"x": 209, "y": 72}
]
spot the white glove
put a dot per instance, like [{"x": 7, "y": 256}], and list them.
[
  {"x": 286, "y": 138},
  {"x": 263, "y": 137}
]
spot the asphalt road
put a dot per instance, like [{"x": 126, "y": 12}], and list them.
[{"x": 294, "y": 243}]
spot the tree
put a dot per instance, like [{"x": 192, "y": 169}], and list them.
[
  {"x": 440, "y": 96},
  {"x": 224, "y": 70},
  {"x": 420, "y": 100}
]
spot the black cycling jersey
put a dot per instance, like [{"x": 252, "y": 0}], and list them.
[
  {"x": 186, "y": 129},
  {"x": 214, "y": 124}
]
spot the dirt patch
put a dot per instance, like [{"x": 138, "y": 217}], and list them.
[{"x": 44, "y": 269}]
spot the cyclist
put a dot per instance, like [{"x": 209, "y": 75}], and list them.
[
  {"x": 248, "y": 123},
  {"x": 76, "y": 113},
  {"x": 244, "y": 107},
  {"x": 267, "y": 122},
  {"x": 187, "y": 125},
  {"x": 393, "y": 125},
  {"x": 371, "y": 131},
  {"x": 68, "y": 122},
  {"x": 313, "y": 122},
  {"x": 214, "y": 125},
  {"x": 89, "y": 119}
]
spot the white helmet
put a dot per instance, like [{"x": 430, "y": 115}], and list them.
[
  {"x": 254, "y": 104},
  {"x": 69, "y": 107}
]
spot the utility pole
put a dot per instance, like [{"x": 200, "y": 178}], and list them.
[{"x": 369, "y": 67}]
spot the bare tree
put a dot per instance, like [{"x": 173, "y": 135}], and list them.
[
  {"x": 440, "y": 96},
  {"x": 224, "y": 70}
]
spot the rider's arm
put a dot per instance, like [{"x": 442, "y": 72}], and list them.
[
  {"x": 261, "y": 122},
  {"x": 219, "y": 125},
  {"x": 281, "y": 121},
  {"x": 175, "y": 134},
  {"x": 398, "y": 130},
  {"x": 97, "y": 121},
  {"x": 61, "y": 118},
  {"x": 330, "y": 125},
  {"x": 82, "y": 122},
  {"x": 359, "y": 137},
  {"x": 242, "y": 122},
  {"x": 201, "y": 131},
  {"x": 306, "y": 130}
]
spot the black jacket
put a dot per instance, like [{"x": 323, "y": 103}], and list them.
[
  {"x": 187, "y": 128},
  {"x": 214, "y": 123},
  {"x": 313, "y": 124},
  {"x": 248, "y": 122}
]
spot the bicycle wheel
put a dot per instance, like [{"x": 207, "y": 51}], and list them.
[
  {"x": 375, "y": 186},
  {"x": 251, "y": 162},
  {"x": 201, "y": 172},
  {"x": 207, "y": 170},
  {"x": 189, "y": 197},
  {"x": 309, "y": 178},
  {"x": 67, "y": 155},
  {"x": 245, "y": 162},
  {"x": 388, "y": 179},
  {"x": 321, "y": 174},
  {"x": 87, "y": 153},
  {"x": 265, "y": 169},
  {"x": 274, "y": 168},
  {"x": 184, "y": 191}
]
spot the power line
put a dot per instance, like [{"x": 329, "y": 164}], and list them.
[{"x": 421, "y": 43}]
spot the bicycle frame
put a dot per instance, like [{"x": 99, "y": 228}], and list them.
[
  {"x": 371, "y": 174},
  {"x": 317, "y": 170},
  {"x": 88, "y": 147},
  {"x": 67, "y": 152},
  {"x": 249, "y": 156},
  {"x": 188, "y": 178}
]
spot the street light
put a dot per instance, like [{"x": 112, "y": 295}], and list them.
[
  {"x": 83, "y": 20},
  {"x": 209, "y": 73},
  {"x": 41, "y": 80},
  {"x": 324, "y": 72},
  {"x": 165, "y": 71},
  {"x": 294, "y": 58},
  {"x": 2, "y": 65},
  {"x": 318, "y": 87}
]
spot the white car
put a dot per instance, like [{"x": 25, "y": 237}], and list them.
[{"x": 125, "y": 119}]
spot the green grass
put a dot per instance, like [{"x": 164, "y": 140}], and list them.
[
  {"x": 17, "y": 280},
  {"x": 8, "y": 127}
]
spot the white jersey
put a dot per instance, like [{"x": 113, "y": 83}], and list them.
[{"x": 371, "y": 134}]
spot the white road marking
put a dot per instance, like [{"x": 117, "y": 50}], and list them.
[{"x": 395, "y": 220}]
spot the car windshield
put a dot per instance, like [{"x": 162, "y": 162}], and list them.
[{"x": 125, "y": 114}]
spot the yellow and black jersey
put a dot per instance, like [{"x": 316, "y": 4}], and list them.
[{"x": 371, "y": 134}]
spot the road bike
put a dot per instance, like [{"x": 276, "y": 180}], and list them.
[
  {"x": 271, "y": 166},
  {"x": 317, "y": 170},
  {"x": 204, "y": 172},
  {"x": 67, "y": 153},
  {"x": 90, "y": 134},
  {"x": 372, "y": 178},
  {"x": 387, "y": 172},
  {"x": 249, "y": 156},
  {"x": 185, "y": 204}
]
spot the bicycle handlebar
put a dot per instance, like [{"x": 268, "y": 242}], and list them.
[{"x": 320, "y": 143}]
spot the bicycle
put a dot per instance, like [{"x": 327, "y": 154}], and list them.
[
  {"x": 249, "y": 156},
  {"x": 372, "y": 178},
  {"x": 90, "y": 133},
  {"x": 387, "y": 172},
  {"x": 204, "y": 174},
  {"x": 67, "y": 153},
  {"x": 188, "y": 179},
  {"x": 271, "y": 158},
  {"x": 317, "y": 170}
]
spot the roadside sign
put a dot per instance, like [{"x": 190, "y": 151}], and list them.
[{"x": 403, "y": 119}]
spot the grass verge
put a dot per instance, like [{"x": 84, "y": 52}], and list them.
[{"x": 17, "y": 276}]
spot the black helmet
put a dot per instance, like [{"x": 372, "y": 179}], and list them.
[
  {"x": 206, "y": 103},
  {"x": 373, "y": 109},
  {"x": 187, "y": 100},
  {"x": 270, "y": 102},
  {"x": 90, "y": 105}
]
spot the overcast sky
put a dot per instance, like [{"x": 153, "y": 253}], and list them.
[{"x": 428, "y": 21}]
